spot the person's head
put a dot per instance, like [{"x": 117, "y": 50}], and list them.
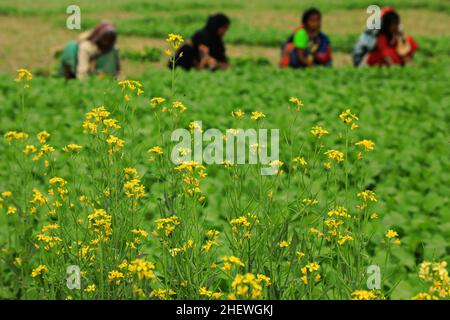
[
  {"x": 390, "y": 23},
  {"x": 311, "y": 20},
  {"x": 107, "y": 41},
  {"x": 218, "y": 24},
  {"x": 104, "y": 36}
]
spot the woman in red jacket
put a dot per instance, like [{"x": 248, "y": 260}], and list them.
[{"x": 392, "y": 46}]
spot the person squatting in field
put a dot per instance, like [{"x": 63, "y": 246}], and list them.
[
  {"x": 392, "y": 46},
  {"x": 307, "y": 46},
  {"x": 206, "y": 49},
  {"x": 94, "y": 52}
]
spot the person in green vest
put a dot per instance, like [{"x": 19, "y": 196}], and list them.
[
  {"x": 94, "y": 52},
  {"x": 307, "y": 46}
]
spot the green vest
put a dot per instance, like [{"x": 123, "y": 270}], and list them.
[{"x": 107, "y": 62}]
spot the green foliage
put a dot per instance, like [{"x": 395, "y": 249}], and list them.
[
  {"x": 147, "y": 54},
  {"x": 404, "y": 110},
  {"x": 50, "y": 7}
]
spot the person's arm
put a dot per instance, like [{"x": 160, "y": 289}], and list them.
[
  {"x": 223, "y": 65},
  {"x": 385, "y": 50},
  {"x": 414, "y": 46},
  {"x": 199, "y": 44},
  {"x": 300, "y": 43},
  {"x": 323, "y": 55},
  {"x": 407, "y": 60},
  {"x": 205, "y": 59},
  {"x": 387, "y": 60},
  {"x": 86, "y": 51},
  {"x": 204, "y": 45},
  {"x": 68, "y": 73},
  {"x": 208, "y": 61},
  {"x": 302, "y": 58},
  {"x": 222, "y": 59}
]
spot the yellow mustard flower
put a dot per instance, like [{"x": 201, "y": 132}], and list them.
[
  {"x": 24, "y": 74},
  {"x": 237, "y": 114},
  {"x": 368, "y": 145},
  {"x": 318, "y": 132},
  {"x": 156, "y": 101},
  {"x": 348, "y": 117},
  {"x": 257, "y": 115},
  {"x": 72, "y": 147},
  {"x": 296, "y": 102},
  {"x": 174, "y": 40},
  {"x": 363, "y": 295},
  {"x": 391, "y": 234},
  {"x": 335, "y": 155},
  {"x": 91, "y": 288},
  {"x": 39, "y": 270},
  {"x": 43, "y": 136},
  {"x": 283, "y": 244}
]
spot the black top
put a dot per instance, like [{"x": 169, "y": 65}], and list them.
[
  {"x": 191, "y": 52},
  {"x": 208, "y": 36}
]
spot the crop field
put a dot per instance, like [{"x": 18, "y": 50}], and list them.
[{"x": 86, "y": 178}]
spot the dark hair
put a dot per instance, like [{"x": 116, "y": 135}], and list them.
[
  {"x": 216, "y": 21},
  {"x": 102, "y": 29},
  {"x": 308, "y": 13},
  {"x": 387, "y": 21}
]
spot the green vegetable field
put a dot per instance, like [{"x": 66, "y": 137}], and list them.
[{"x": 196, "y": 244}]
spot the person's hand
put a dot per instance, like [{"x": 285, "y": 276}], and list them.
[
  {"x": 212, "y": 63},
  {"x": 403, "y": 47},
  {"x": 388, "y": 60},
  {"x": 309, "y": 60},
  {"x": 407, "y": 60},
  {"x": 224, "y": 65}
]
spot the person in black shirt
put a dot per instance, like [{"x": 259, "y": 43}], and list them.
[{"x": 206, "y": 49}]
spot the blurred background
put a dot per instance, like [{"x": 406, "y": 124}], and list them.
[{"x": 34, "y": 32}]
